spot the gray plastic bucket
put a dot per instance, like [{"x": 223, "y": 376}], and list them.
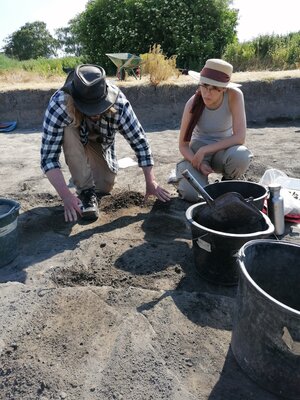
[
  {"x": 215, "y": 252},
  {"x": 266, "y": 329},
  {"x": 245, "y": 188},
  {"x": 9, "y": 211}
]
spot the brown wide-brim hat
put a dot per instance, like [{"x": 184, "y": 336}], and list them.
[
  {"x": 216, "y": 72},
  {"x": 91, "y": 92}
]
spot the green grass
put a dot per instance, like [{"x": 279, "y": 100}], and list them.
[{"x": 42, "y": 66}]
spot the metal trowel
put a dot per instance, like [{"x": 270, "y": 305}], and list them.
[{"x": 228, "y": 211}]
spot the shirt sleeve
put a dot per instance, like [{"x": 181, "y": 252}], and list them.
[
  {"x": 133, "y": 132},
  {"x": 56, "y": 118}
]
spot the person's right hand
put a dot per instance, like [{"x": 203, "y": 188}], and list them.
[{"x": 71, "y": 207}]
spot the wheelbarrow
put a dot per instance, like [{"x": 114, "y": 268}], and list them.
[{"x": 126, "y": 62}]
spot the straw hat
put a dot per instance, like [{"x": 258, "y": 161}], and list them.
[
  {"x": 91, "y": 93},
  {"x": 216, "y": 72}
]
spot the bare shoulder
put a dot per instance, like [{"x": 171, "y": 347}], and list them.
[
  {"x": 235, "y": 94},
  {"x": 188, "y": 104}
]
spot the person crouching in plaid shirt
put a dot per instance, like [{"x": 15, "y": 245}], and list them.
[{"x": 82, "y": 119}]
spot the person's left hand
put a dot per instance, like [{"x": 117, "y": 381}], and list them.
[
  {"x": 205, "y": 168},
  {"x": 153, "y": 189},
  {"x": 197, "y": 159}
]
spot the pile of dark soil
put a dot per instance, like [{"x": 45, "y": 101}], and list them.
[{"x": 122, "y": 199}]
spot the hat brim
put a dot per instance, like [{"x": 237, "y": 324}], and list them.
[
  {"x": 197, "y": 76},
  {"x": 96, "y": 108}
]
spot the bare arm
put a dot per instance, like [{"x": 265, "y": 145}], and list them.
[
  {"x": 71, "y": 202},
  {"x": 184, "y": 147}
]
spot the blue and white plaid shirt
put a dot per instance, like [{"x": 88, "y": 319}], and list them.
[{"x": 123, "y": 121}]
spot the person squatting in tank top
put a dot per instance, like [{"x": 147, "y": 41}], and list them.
[{"x": 213, "y": 129}]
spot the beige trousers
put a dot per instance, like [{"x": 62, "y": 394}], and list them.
[
  {"x": 86, "y": 164},
  {"x": 232, "y": 163}
]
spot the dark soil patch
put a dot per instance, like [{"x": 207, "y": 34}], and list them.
[{"x": 123, "y": 199}]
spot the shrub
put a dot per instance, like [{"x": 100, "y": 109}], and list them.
[
  {"x": 49, "y": 67},
  {"x": 241, "y": 56},
  {"x": 266, "y": 52},
  {"x": 158, "y": 66}
]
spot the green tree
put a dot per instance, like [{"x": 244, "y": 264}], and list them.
[
  {"x": 67, "y": 40},
  {"x": 31, "y": 41},
  {"x": 191, "y": 29}
]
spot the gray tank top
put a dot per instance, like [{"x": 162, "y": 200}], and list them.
[{"x": 213, "y": 125}]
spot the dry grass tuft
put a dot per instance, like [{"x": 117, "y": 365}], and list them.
[{"x": 158, "y": 66}]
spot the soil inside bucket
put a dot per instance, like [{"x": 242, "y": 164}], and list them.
[{"x": 236, "y": 224}]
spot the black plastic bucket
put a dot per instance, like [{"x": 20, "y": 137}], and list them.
[
  {"x": 215, "y": 252},
  {"x": 266, "y": 330},
  {"x": 9, "y": 211},
  {"x": 245, "y": 188}
]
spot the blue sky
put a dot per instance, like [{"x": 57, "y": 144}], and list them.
[{"x": 256, "y": 16}]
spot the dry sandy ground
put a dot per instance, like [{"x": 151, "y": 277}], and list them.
[{"x": 115, "y": 309}]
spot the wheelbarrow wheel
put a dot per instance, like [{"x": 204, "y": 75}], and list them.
[{"x": 121, "y": 74}]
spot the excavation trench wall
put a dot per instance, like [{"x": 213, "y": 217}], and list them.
[{"x": 162, "y": 106}]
